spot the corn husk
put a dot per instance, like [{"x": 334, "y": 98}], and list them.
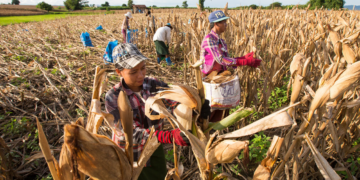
[
  {"x": 264, "y": 169},
  {"x": 224, "y": 151},
  {"x": 226, "y": 9},
  {"x": 345, "y": 80},
  {"x": 326, "y": 170},
  {"x": 234, "y": 21},
  {"x": 334, "y": 36},
  {"x": 150, "y": 146},
  {"x": 45, "y": 149},
  {"x": 95, "y": 120},
  {"x": 65, "y": 168},
  {"x": 184, "y": 115},
  {"x": 94, "y": 154},
  {"x": 126, "y": 119},
  {"x": 277, "y": 119},
  {"x": 322, "y": 95},
  {"x": 197, "y": 146},
  {"x": 348, "y": 53}
]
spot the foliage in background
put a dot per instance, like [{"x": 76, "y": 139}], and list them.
[
  {"x": 130, "y": 3},
  {"x": 184, "y": 4},
  {"x": 201, "y": 4},
  {"x": 75, "y": 4},
  {"x": 275, "y": 5},
  {"x": 106, "y": 4},
  {"x": 15, "y": 2},
  {"x": 329, "y": 4},
  {"x": 258, "y": 147},
  {"x": 44, "y": 6},
  {"x": 253, "y": 6}
]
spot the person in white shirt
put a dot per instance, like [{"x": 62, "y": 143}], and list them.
[{"x": 161, "y": 36}]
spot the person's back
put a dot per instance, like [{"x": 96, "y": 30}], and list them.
[{"x": 162, "y": 34}]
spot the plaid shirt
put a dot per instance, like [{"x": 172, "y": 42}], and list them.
[
  {"x": 141, "y": 123},
  {"x": 214, "y": 53}
]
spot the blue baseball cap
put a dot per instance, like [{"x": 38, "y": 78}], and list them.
[
  {"x": 217, "y": 16},
  {"x": 169, "y": 25}
]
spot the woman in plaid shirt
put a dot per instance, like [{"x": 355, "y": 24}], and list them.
[
  {"x": 214, "y": 54},
  {"x": 130, "y": 65}
]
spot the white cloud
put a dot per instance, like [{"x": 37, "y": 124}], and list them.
[{"x": 210, "y": 3}]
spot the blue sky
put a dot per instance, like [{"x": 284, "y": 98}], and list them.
[{"x": 191, "y": 3}]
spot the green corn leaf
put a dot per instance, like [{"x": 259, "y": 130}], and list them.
[{"x": 231, "y": 119}]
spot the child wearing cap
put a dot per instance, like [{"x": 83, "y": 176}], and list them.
[
  {"x": 130, "y": 65},
  {"x": 214, "y": 54},
  {"x": 161, "y": 36}
]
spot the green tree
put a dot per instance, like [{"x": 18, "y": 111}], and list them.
[
  {"x": 106, "y": 4},
  {"x": 184, "y": 4},
  {"x": 130, "y": 3},
  {"x": 15, "y": 2},
  {"x": 124, "y": 5},
  {"x": 253, "y": 6},
  {"x": 316, "y": 3},
  {"x": 336, "y": 4},
  {"x": 75, "y": 4},
  {"x": 275, "y": 5},
  {"x": 177, "y": 6},
  {"x": 201, "y": 3},
  {"x": 44, "y": 6}
]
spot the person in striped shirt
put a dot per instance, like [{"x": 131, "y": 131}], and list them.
[
  {"x": 130, "y": 66},
  {"x": 214, "y": 53}
]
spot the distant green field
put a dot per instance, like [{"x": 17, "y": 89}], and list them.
[{"x": 23, "y": 19}]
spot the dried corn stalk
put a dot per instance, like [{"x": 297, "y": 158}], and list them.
[{"x": 93, "y": 154}]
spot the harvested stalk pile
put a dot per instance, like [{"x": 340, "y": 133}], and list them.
[{"x": 304, "y": 97}]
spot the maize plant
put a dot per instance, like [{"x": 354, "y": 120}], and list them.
[{"x": 309, "y": 60}]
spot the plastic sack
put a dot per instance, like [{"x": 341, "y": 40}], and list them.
[
  {"x": 108, "y": 51},
  {"x": 146, "y": 32},
  {"x": 223, "y": 96},
  {"x": 85, "y": 39},
  {"x": 99, "y": 28},
  {"x": 131, "y": 35}
]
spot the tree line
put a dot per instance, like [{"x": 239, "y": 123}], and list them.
[{"x": 80, "y": 4}]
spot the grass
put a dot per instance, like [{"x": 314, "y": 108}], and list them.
[{"x": 51, "y": 16}]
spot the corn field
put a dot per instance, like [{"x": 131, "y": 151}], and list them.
[{"x": 309, "y": 60}]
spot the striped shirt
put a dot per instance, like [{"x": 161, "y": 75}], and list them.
[
  {"x": 214, "y": 52},
  {"x": 141, "y": 123}
]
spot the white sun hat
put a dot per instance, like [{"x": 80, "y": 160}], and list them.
[{"x": 128, "y": 14}]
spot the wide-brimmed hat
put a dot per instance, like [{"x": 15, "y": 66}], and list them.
[
  {"x": 128, "y": 14},
  {"x": 127, "y": 56},
  {"x": 217, "y": 16}
]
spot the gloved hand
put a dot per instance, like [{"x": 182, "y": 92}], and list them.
[
  {"x": 166, "y": 137},
  {"x": 248, "y": 60},
  {"x": 205, "y": 110}
]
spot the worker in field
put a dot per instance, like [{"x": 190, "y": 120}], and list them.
[
  {"x": 215, "y": 55},
  {"x": 162, "y": 36},
  {"x": 151, "y": 21},
  {"x": 130, "y": 66},
  {"x": 125, "y": 25}
]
